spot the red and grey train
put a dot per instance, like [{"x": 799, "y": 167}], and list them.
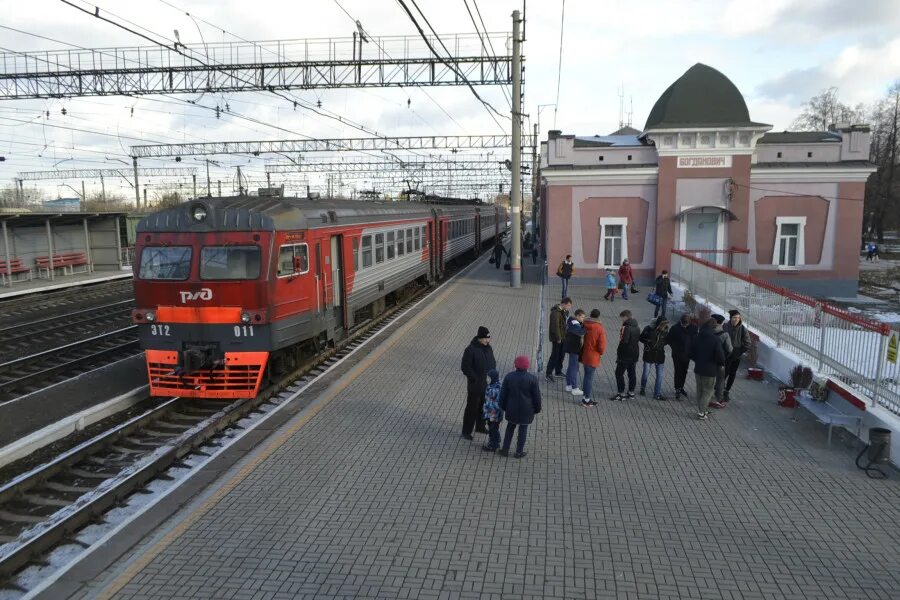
[{"x": 228, "y": 287}]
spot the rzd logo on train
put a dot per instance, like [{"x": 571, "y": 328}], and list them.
[{"x": 204, "y": 294}]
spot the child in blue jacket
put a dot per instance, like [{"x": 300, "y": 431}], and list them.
[
  {"x": 492, "y": 412},
  {"x": 611, "y": 286}
]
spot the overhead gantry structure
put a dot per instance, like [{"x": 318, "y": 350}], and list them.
[{"x": 323, "y": 63}]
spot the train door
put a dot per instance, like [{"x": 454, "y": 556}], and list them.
[
  {"x": 320, "y": 281},
  {"x": 337, "y": 279},
  {"x": 432, "y": 251}
]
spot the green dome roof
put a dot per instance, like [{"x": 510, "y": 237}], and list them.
[{"x": 702, "y": 97}]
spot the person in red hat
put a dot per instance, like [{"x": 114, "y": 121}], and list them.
[{"x": 520, "y": 400}]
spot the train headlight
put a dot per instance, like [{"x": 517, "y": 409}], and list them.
[
  {"x": 198, "y": 213},
  {"x": 245, "y": 317},
  {"x": 150, "y": 316}
]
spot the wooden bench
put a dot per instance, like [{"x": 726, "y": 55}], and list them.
[
  {"x": 9, "y": 271},
  {"x": 829, "y": 414},
  {"x": 67, "y": 261}
]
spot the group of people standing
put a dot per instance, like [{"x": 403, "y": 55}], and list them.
[
  {"x": 712, "y": 344},
  {"x": 517, "y": 399}
]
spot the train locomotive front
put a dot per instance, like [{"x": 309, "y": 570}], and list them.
[{"x": 202, "y": 292}]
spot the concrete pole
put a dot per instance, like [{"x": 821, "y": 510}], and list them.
[
  {"x": 50, "y": 249},
  {"x": 534, "y": 185},
  {"x": 6, "y": 252},
  {"x": 137, "y": 189},
  {"x": 87, "y": 246},
  {"x": 209, "y": 184},
  {"x": 145, "y": 196},
  {"x": 515, "y": 194},
  {"x": 83, "y": 193},
  {"x": 22, "y": 190},
  {"x": 268, "y": 180},
  {"x": 240, "y": 183},
  {"x": 18, "y": 193},
  {"x": 103, "y": 190},
  {"x": 194, "y": 177},
  {"x": 219, "y": 187}
]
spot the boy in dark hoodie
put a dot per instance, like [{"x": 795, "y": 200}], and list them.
[
  {"x": 573, "y": 344},
  {"x": 654, "y": 339},
  {"x": 492, "y": 413},
  {"x": 520, "y": 400},
  {"x": 627, "y": 355}
]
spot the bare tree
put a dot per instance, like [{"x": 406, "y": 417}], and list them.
[
  {"x": 825, "y": 109},
  {"x": 883, "y": 187}
]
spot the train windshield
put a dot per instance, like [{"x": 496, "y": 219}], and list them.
[
  {"x": 229, "y": 262},
  {"x": 168, "y": 262}
]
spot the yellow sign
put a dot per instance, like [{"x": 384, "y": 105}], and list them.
[{"x": 892, "y": 348}]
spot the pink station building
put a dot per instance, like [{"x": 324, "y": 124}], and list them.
[{"x": 703, "y": 176}]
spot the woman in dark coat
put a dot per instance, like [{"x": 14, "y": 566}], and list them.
[
  {"x": 477, "y": 360},
  {"x": 520, "y": 399}
]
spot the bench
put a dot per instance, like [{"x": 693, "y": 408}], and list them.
[
  {"x": 12, "y": 269},
  {"x": 829, "y": 414},
  {"x": 67, "y": 261}
]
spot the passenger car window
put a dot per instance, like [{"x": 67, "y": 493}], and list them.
[
  {"x": 417, "y": 246},
  {"x": 169, "y": 262},
  {"x": 229, "y": 262},
  {"x": 379, "y": 247},
  {"x": 366, "y": 251},
  {"x": 390, "y": 245},
  {"x": 293, "y": 260},
  {"x": 409, "y": 240},
  {"x": 401, "y": 247}
]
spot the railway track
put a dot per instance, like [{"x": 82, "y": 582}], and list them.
[
  {"x": 60, "y": 302},
  {"x": 35, "y": 335},
  {"x": 35, "y": 371},
  {"x": 43, "y": 507}
]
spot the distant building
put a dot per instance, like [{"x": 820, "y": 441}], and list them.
[
  {"x": 62, "y": 205},
  {"x": 702, "y": 175}
]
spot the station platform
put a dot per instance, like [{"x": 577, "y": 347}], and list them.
[
  {"x": 61, "y": 282},
  {"x": 372, "y": 493}
]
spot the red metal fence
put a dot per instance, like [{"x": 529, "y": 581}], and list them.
[{"x": 832, "y": 340}]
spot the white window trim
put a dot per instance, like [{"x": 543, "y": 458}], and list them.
[
  {"x": 296, "y": 273},
  {"x": 604, "y": 221},
  {"x": 801, "y": 257}
]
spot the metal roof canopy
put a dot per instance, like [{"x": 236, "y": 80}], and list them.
[
  {"x": 30, "y": 219},
  {"x": 707, "y": 209}
]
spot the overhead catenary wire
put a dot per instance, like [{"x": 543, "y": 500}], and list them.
[
  {"x": 485, "y": 46},
  {"x": 562, "y": 28},
  {"x": 490, "y": 108}
]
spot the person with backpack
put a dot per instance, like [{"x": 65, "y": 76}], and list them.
[
  {"x": 565, "y": 271},
  {"x": 573, "y": 344},
  {"x": 654, "y": 339},
  {"x": 492, "y": 412},
  {"x": 593, "y": 350},
  {"x": 663, "y": 289},
  {"x": 626, "y": 278},
  {"x": 727, "y": 349},
  {"x": 679, "y": 340},
  {"x": 499, "y": 251},
  {"x": 520, "y": 400},
  {"x": 740, "y": 344},
  {"x": 708, "y": 356},
  {"x": 627, "y": 355},
  {"x": 611, "y": 287},
  {"x": 559, "y": 315}
]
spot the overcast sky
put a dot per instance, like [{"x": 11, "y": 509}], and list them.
[{"x": 778, "y": 53}]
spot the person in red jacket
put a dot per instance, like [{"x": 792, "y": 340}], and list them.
[
  {"x": 626, "y": 278},
  {"x": 594, "y": 347}
]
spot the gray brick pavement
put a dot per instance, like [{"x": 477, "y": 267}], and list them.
[{"x": 378, "y": 497}]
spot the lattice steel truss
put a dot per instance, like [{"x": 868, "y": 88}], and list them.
[
  {"x": 257, "y": 147},
  {"x": 254, "y": 66},
  {"x": 386, "y": 166},
  {"x": 126, "y": 173}
]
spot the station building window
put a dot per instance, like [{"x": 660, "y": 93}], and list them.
[
  {"x": 613, "y": 241},
  {"x": 789, "y": 241}
]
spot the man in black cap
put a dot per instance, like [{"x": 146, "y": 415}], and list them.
[
  {"x": 477, "y": 360},
  {"x": 740, "y": 344},
  {"x": 725, "y": 341}
]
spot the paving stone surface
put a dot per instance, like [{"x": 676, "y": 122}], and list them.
[{"x": 378, "y": 496}]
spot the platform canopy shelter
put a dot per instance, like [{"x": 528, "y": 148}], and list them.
[{"x": 52, "y": 244}]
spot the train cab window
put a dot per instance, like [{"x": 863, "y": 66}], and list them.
[
  {"x": 390, "y": 245},
  {"x": 293, "y": 260},
  {"x": 400, "y": 243},
  {"x": 229, "y": 262},
  {"x": 366, "y": 251},
  {"x": 409, "y": 240},
  {"x": 169, "y": 262},
  {"x": 379, "y": 248}
]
